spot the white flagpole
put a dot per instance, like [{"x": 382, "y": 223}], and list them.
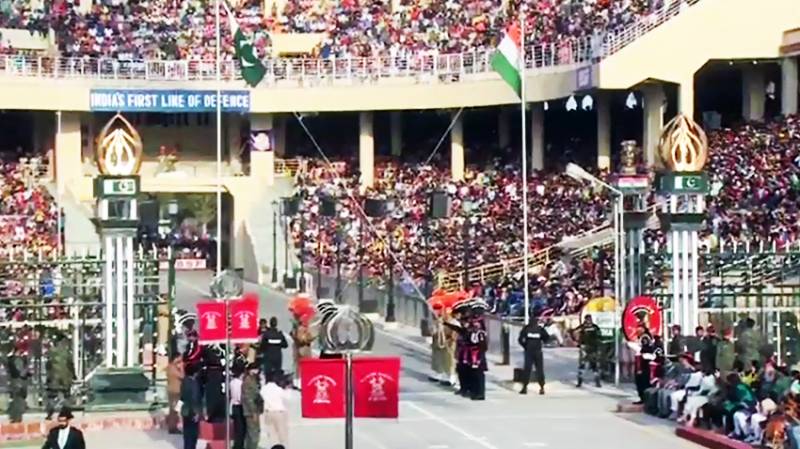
[
  {"x": 219, "y": 138},
  {"x": 524, "y": 169}
]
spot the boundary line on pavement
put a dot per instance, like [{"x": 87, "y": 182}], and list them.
[{"x": 481, "y": 441}]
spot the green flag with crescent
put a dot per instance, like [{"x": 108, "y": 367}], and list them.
[{"x": 253, "y": 69}]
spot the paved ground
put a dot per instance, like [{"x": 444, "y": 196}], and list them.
[{"x": 431, "y": 417}]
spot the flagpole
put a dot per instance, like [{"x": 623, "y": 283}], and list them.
[
  {"x": 219, "y": 136},
  {"x": 524, "y": 168},
  {"x": 228, "y": 350}
]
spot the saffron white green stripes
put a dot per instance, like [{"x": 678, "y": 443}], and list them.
[{"x": 506, "y": 61}]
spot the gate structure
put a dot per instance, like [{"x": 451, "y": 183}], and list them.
[
  {"x": 54, "y": 306},
  {"x": 738, "y": 281}
]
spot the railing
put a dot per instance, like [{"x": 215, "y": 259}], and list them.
[
  {"x": 288, "y": 167},
  {"x": 420, "y": 68}
]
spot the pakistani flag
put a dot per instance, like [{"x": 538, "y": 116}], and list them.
[
  {"x": 507, "y": 60},
  {"x": 253, "y": 69}
]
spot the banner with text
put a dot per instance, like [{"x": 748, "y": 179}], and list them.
[
  {"x": 139, "y": 100},
  {"x": 376, "y": 384},
  {"x": 323, "y": 388}
]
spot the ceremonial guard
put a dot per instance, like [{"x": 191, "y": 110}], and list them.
[
  {"x": 60, "y": 375},
  {"x": 457, "y": 324},
  {"x": 645, "y": 355},
  {"x": 589, "y": 339},
  {"x": 477, "y": 345},
  {"x": 18, "y": 375},
  {"x": 302, "y": 336},
  {"x": 213, "y": 380},
  {"x": 532, "y": 337},
  {"x": 272, "y": 344},
  {"x": 443, "y": 342},
  {"x": 252, "y": 406}
]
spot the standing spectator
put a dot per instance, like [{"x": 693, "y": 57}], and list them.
[
  {"x": 252, "y": 407},
  {"x": 725, "y": 353},
  {"x": 708, "y": 350},
  {"x": 273, "y": 342},
  {"x": 275, "y": 396},
  {"x": 64, "y": 436},
  {"x": 192, "y": 407},
  {"x": 677, "y": 344},
  {"x": 175, "y": 376},
  {"x": 748, "y": 345},
  {"x": 239, "y": 425}
]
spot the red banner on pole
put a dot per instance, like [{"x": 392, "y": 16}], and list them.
[
  {"x": 212, "y": 322},
  {"x": 323, "y": 388},
  {"x": 376, "y": 385},
  {"x": 244, "y": 319}
]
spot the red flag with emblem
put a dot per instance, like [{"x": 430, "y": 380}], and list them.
[
  {"x": 376, "y": 385},
  {"x": 211, "y": 322},
  {"x": 244, "y": 319},
  {"x": 323, "y": 388}
]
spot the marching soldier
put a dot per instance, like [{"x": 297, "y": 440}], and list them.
[
  {"x": 59, "y": 375},
  {"x": 457, "y": 324},
  {"x": 302, "y": 337},
  {"x": 273, "y": 342},
  {"x": 477, "y": 346},
  {"x": 18, "y": 384},
  {"x": 252, "y": 407},
  {"x": 443, "y": 351},
  {"x": 589, "y": 340},
  {"x": 531, "y": 338}
]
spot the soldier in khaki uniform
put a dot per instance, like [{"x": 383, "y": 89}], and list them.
[
  {"x": 443, "y": 348},
  {"x": 252, "y": 406},
  {"x": 18, "y": 384},
  {"x": 302, "y": 338}
]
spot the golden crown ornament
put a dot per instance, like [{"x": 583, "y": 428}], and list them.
[
  {"x": 119, "y": 148},
  {"x": 683, "y": 146}
]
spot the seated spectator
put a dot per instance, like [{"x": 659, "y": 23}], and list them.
[
  {"x": 696, "y": 399},
  {"x": 739, "y": 405}
]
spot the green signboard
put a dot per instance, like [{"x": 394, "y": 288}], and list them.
[
  {"x": 116, "y": 186},
  {"x": 684, "y": 183}
]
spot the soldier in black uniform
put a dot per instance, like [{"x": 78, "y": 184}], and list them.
[
  {"x": 531, "y": 338},
  {"x": 213, "y": 378},
  {"x": 477, "y": 345},
  {"x": 589, "y": 340},
  {"x": 272, "y": 344},
  {"x": 18, "y": 374}
]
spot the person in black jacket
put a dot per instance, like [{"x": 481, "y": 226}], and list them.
[
  {"x": 64, "y": 436},
  {"x": 708, "y": 350},
  {"x": 531, "y": 338},
  {"x": 272, "y": 344},
  {"x": 192, "y": 407}
]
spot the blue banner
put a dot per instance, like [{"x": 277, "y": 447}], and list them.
[{"x": 136, "y": 100}]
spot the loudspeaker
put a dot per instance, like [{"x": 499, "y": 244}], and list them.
[
  {"x": 328, "y": 206},
  {"x": 148, "y": 214},
  {"x": 374, "y": 208},
  {"x": 291, "y": 206},
  {"x": 439, "y": 205}
]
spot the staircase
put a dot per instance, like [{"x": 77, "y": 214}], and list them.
[{"x": 80, "y": 234}]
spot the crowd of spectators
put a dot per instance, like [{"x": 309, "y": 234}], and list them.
[
  {"x": 165, "y": 29},
  {"x": 733, "y": 384},
  {"x": 181, "y": 244},
  {"x": 419, "y": 245}
]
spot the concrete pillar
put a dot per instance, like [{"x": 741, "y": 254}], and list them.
[
  {"x": 686, "y": 96},
  {"x": 396, "y": 131},
  {"x": 68, "y": 149},
  {"x": 233, "y": 126},
  {"x": 753, "y": 93},
  {"x": 457, "y": 149},
  {"x": 262, "y": 163},
  {"x": 603, "y": 130},
  {"x": 653, "y": 112},
  {"x": 504, "y": 128},
  {"x": 789, "y": 82},
  {"x": 366, "y": 149},
  {"x": 537, "y": 136},
  {"x": 279, "y": 132}
]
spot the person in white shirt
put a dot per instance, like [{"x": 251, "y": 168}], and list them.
[
  {"x": 239, "y": 427},
  {"x": 277, "y": 418}
]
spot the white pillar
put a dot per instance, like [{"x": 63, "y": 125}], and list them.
[
  {"x": 603, "y": 130},
  {"x": 753, "y": 93},
  {"x": 366, "y": 149},
  {"x": 686, "y": 96},
  {"x": 653, "y": 112},
  {"x": 504, "y": 128},
  {"x": 457, "y": 149},
  {"x": 396, "y": 131},
  {"x": 789, "y": 82},
  {"x": 68, "y": 149},
  {"x": 537, "y": 136},
  {"x": 262, "y": 163}
]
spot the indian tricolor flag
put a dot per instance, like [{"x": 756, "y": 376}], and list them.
[{"x": 507, "y": 59}]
